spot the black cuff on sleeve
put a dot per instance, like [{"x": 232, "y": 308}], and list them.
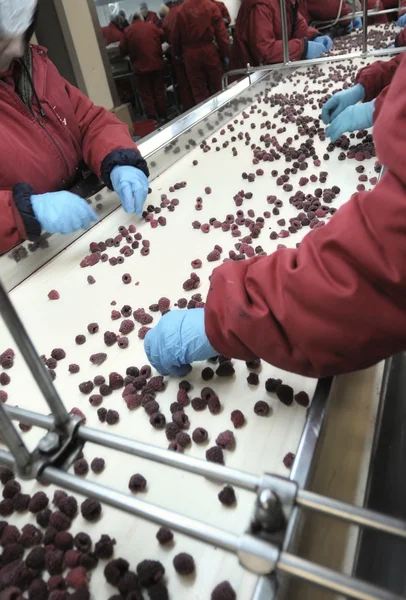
[
  {"x": 305, "y": 47},
  {"x": 22, "y": 193},
  {"x": 127, "y": 157},
  {"x": 397, "y": 41}
]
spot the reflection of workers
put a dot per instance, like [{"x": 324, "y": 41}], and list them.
[
  {"x": 114, "y": 31},
  {"x": 198, "y": 23},
  {"x": 258, "y": 34},
  {"x": 48, "y": 127},
  {"x": 353, "y": 109},
  {"x": 325, "y": 11},
  {"x": 333, "y": 305},
  {"x": 142, "y": 42},
  {"x": 149, "y": 16}
]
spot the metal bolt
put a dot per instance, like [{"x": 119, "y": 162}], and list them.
[
  {"x": 267, "y": 499},
  {"x": 49, "y": 443}
]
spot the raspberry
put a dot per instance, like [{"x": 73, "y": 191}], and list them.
[
  {"x": 288, "y": 460},
  {"x": 132, "y": 401},
  {"x": 151, "y": 407},
  {"x": 141, "y": 317},
  {"x": 81, "y": 467},
  {"x": 38, "y": 590},
  {"x": 183, "y": 439},
  {"x": 96, "y": 399},
  {"x": 213, "y": 256},
  {"x": 271, "y": 385},
  {"x": 145, "y": 371},
  {"x": 51, "y": 363},
  {"x": 30, "y": 536},
  {"x": 3, "y": 396},
  {"x": 302, "y": 399},
  {"x": 86, "y": 387},
  {"x": 38, "y": 502},
  {"x": 226, "y": 440},
  {"x": 184, "y": 564},
  {"x": 199, "y": 404},
  {"x": 123, "y": 342},
  {"x": 43, "y": 517},
  {"x": 76, "y": 578},
  {"x": 164, "y": 304},
  {"x": 114, "y": 570},
  {"x": 11, "y": 489},
  {"x": 58, "y": 353},
  {"x": 175, "y": 447},
  {"x": 126, "y": 326},
  {"x": 150, "y": 572},
  {"x": 97, "y": 465},
  {"x": 225, "y": 369},
  {"x": 91, "y": 280},
  {"x": 105, "y": 390},
  {"x": 35, "y": 559},
  {"x": 227, "y": 496},
  {"x": 80, "y": 339},
  {"x": 73, "y": 368},
  {"x": 71, "y": 558},
  {"x": 110, "y": 338},
  {"x": 112, "y": 417},
  {"x": 214, "y": 405},
  {"x": 5, "y": 474},
  {"x": 223, "y": 591},
  {"x": 11, "y": 553},
  {"x": 261, "y": 408},
  {"x": 171, "y": 431},
  {"x": 116, "y": 381},
  {"x": 83, "y": 542},
  {"x": 69, "y": 506},
  {"x": 132, "y": 371},
  {"x": 183, "y": 398},
  {"x": 10, "y": 535},
  {"x": 104, "y": 548},
  {"x": 64, "y": 540},
  {"x": 215, "y": 454},
  {"x": 56, "y": 582},
  {"x": 181, "y": 420},
  {"x": 6, "y": 507},
  {"x": 285, "y": 394},
  {"x": 58, "y": 496},
  {"x": 126, "y": 278},
  {"x": 129, "y": 586},
  {"x": 54, "y": 562},
  {"x": 53, "y": 295},
  {"x": 49, "y": 537},
  {"x": 143, "y": 332},
  {"x": 237, "y": 419},
  {"x": 157, "y": 420},
  {"x": 196, "y": 264},
  {"x": 253, "y": 379},
  {"x": 98, "y": 359},
  {"x": 21, "y": 502},
  {"x": 59, "y": 521},
  {"x": 90, "y": 509}
]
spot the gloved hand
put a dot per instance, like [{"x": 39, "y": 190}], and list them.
[
  {"x": 226, "y": 62},
  {"x": 178, "y": 340},
  {"x": 314, "y": 50},
  {"x": 352, "y": 118},
  {"x": 401, "y": 22},
  {"x": 62, "y": 212},
  {"x": 349, "y": 27},
  {"x": 357, "y": 22},
  {"x": 325, "y": 40},
  {"x": 339, "y": 102},
  {"x": 131, "y": 185}
]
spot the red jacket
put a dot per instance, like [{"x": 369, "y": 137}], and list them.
[
  {"x": 143, "y": 43},
  {"x": 198, "y": 22},
  {"x": 337, "y": 303},
  {"x": 45, "y": 152},
  {"x": 258, "y": 33},
  {"x": 376, "y": 77},
  {"x": 324, "y": 10},
  {"x": 153, "y": 18},
  {"x": 400, "y": 39},
  {"x": 112, "y": 34},
  {"x": 224, "y": 10},
  {"x": 168, "y": 23}
]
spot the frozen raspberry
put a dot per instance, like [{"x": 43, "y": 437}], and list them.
[
  {"x": 171, "y": 431},
  {"x": 115, "y": 315},
  {"x": 96, "y": 399},
  {"x": 183, "y": 439},
  {"x": 213, "y": 256},
  {"x": 76, "y": 578},
  {"x": 6, "y": 507},
  {"x": 215, "y": 454},
  {"x": 49, "y": 537},
  {"x": 150, "y": 572},
  {"x": 214, "y": 405},
  {"x": 196, "y": 264},
  {"x": 58, "y": 496},
  {"x": 151, "y": 407},
  {"x": 123, "y": 342},
  {"x": 143, "y": 332},
  {"x": 38, "y": 502},
  {"x": 126, "y": 278},
  {"x": 54, "y": 562},
  {"x": 30, "y": 536},
  {"x": 51, "y": 363},
  {"x": 56, "y": 582},
  {"x": 112, "y": 417},
  {"x": 93, "y": 328},
  {"x": 183, "y": 398},
  {"x": 80, "y": 339},
  {"x": 69, "y": 506},
  {"x": 86, "y": 387},
  {"x": 227, "y": 496},
  {"x": 90, "y": 509},
  {"x": 58, "y": 353},
  {"x": 71, "y": 558},
  {"x": 253, "y": 379},
  {"x": 43, "y": 517},
  {"x": 157, "y": 420},
  {"x": 288, "y": 460},
  {"x": 285, "y": 394},
  {"x": 145, "y": 371},
  {"x": 105, "y": 390},
  {"x": 110, "y": 338},
  {"x": 226, "y": 440},
  {"x": 97, "y": 465},
  {"x": 21, "y": 502},
  {"x": 132, "y": 401},
  {"x": 261, "y": 408},
  {"x": 104, "y": 548},
  {"x": 181, "y": 420},
  {"x": 51, "y": 374},
  {"x": 126, "y": 326},
  {"x": 98, "y": 359},
  {"x": 175, "y": 447},
  {"x": 271, "y": 385},
  {"x": 237, "y": 419},
  {"x": 53, "y": 295},
  {"x": 81, "y": 467},
  {"x": 35, "y": 559},
  {"x": 3, "y": 396},
  {"x": 302, "y": 399},
  {"x": 38, "y": 590},
  {"x": 64, "y": 540},
  {"x": 116, "y": 381},
  {"x": 73, "y": 368},
  {"x": 11, "y": 489},
  {"x": 83, "y": 542},
  {"x": 10, "y": 535},
  {"x": 141, "y": 317},
  {"x": 59, "y": 521},
  {"x": 5, "y": 474},
  {"x": 115, "y": 570},
  {"x": 11, "y": 553},
  {"x": 225, "y": 369},
  {"x": 223, "y": 591},
  {"x": 184, "y": 564},
  {"x": 164, "y": 304},
  {"x": 129, "y": 586}
]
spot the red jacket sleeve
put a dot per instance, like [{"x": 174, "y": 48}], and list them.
[
  {"x": 220, "y": 33},
  {"x": 124, "y": 45},
  {"x": 102, "y": 133},
  {"x": 266, "y": 49},
  {"x": 12, "y": 229},
  {"x": 302, "y": 29},
  {"x": 402, "y": 9},
  {"x": 176, "y": 41},
  {"x": 335, "y": 304},
  {"x": 376, "y": 76}
]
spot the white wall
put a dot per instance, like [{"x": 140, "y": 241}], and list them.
[{"x": 233, "y": 7}]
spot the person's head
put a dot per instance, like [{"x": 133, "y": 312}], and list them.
[
  {"x": 119, "y": 21},
  {"x": 163, "y": 11},
  {"x": 16, "y": 18},
  {"x": 144, "y": 9},
  {"x": 136, "y": 17}
]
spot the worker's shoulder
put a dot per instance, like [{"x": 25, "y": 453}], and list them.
[{"x": 38, "y": 50}]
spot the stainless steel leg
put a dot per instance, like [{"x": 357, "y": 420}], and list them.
[{"x": 285, "y": 37}]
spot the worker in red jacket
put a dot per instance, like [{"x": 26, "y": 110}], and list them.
[
  {"x": 328, "y": 11},
  {"x": 353, "y": 109},
  {"x": 142, "y": 42},
  {"x": 376, "y": 5},
  {"x": 224, "y": 12},
  {"x": 198, "y": 23},
  {"x": 402, "y": 14},
  {"x": 335, "y": 304},
  {"x": 258, "y": 34},
  {"x": 48, "y": 127},
  {"x": 114, "y": 31},
  {"x": 149, "y": 16}
]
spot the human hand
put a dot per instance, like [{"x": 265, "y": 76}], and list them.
[
  {"x": 339, "y": 102},
  {"x": 352, "y": 118},
  {"x": 62, "y": 212},
  {"x": 401, "y": 22},
  {"x": 178, "y": 340},
  {"x": 357, "y": 22},
  {"x": 314, "y": 50},
  {"x": 131, "y": 185},
  {"x": 325, "y": 40}
]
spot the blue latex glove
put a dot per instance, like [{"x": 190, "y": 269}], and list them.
[
  {"x": 325, "y": 40},
  {"x": 339, "y": 102},
  {"x": 178, "y": 340},
  {"x": 401, "y": 22},
  {"x": 226, "y": 62},
  {"x": 349, "y": 27},
  {"x": 62, "y": 212},
  {"x": 131, "y": 185},
  {"x": 352, "y": 118},
  {"x": 357, "y": 22},
  {"x": 314, "y": 50}
]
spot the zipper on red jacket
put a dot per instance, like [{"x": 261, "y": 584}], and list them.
[{"x": 50, "y": 136}]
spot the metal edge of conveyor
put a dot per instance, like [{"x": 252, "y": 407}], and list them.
[
  {"x": 274, "y": 587},
  {"x": 380, "y": 559}
]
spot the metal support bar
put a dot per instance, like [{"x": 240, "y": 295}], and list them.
[
  {"x": 365, "y": 28},
  {"x": 359, "y": 13},
  {"x": 285, "y": 36},
  {"x": 14, "y": 442},
  {"x": 35, "y": 364}
]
